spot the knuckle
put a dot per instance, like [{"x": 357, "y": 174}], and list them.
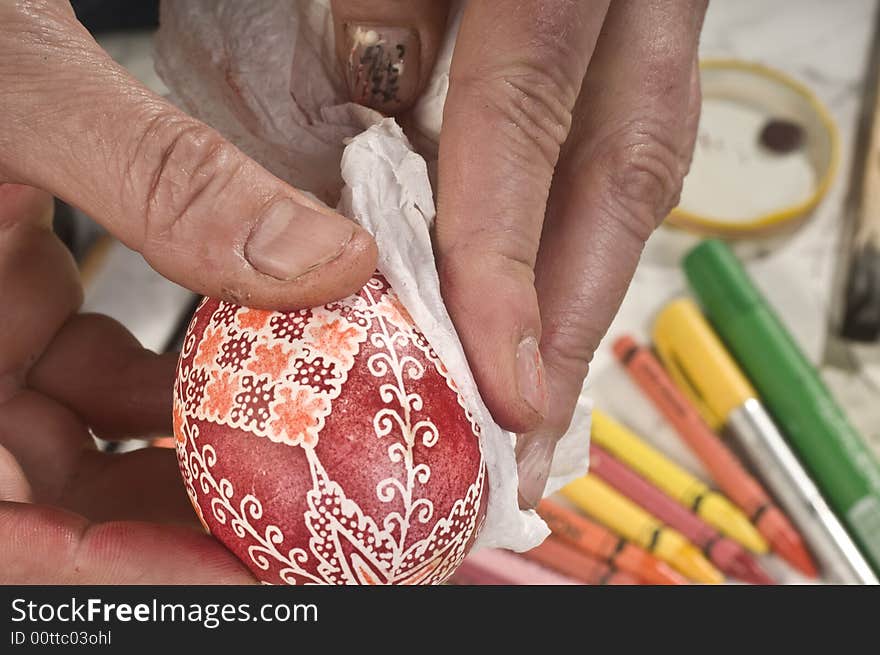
[
  {"x": 467, "y": 266},
  {"x": 643, "y": 170},
  {"x": 530, "y": 105},
  {"x": 179, "y": 167},
  {"x": 568, "y": 344},
  {"x": 488, "y": 289}
]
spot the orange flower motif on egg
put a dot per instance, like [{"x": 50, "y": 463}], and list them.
[
  {"x": 253, "y": 319},
  {"x": 298, "y": 416},
  {"x": 270, "y": 360},
  {"x": 209, "y": 347},
  {"x": 220, "y": 395},
  {"x": 177, "y": 420},
  {"x": 337, "y": 338}
]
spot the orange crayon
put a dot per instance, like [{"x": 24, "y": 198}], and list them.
[
  {"x": 722, "y": 464},
  {"x": 597, "y": 541},
  {"x": 557, "y": 555}
]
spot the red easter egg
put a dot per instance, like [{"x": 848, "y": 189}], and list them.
[{"x": 328, "y": 445}]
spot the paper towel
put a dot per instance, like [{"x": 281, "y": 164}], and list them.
[{"x": 265, "y": 75}]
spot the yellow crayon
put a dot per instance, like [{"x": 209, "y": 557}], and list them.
[
  {"x": 630, "y": 521},
  {"x": 710, "y": 505}
]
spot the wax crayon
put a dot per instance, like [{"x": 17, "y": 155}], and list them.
[
  {"x": 727, "y": 471},
  {"x": 493, "y": 566},
  {"x": 597, "y": 541},
  {"x": 565, "y": 560},
  {"x": 835, "y": 454},
  {"x": 627, "y": 519},
  {"x": 714, "y": 508},
  {"x": 706, "y": 373},
  {"x": 726, "y": 554}
]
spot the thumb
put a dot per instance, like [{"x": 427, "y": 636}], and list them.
[{"x": 202, "y": 213}]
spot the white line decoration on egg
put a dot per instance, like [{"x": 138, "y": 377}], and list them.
[{"x": 274, "y": 376}]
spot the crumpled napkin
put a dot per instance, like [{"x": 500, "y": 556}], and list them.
[{"x": 265, "y": 75}]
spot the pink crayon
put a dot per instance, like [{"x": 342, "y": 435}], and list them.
[
  {"x": 725, "y": 553},
  {"x": 490, "y": 566}
]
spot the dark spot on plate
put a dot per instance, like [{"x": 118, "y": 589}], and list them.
[{"x": 781, "y": 136}]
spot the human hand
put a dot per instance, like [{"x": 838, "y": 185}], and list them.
[
  {"x": 567, "y": 130},
  {"x": 203, "y": 215}
]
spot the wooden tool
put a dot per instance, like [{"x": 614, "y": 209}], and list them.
[{"x": 860, "y": 312}]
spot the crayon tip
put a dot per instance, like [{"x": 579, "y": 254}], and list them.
[
  {"x": 746, "y": 534},
  {"x": 795, "y": 553},
  {"x": 786, "y": 542},
  {"x": 623, "y": 347},
  {"x": 744, "y": 567},
  {"x": 735, "y": 525},
  {"x": 691, "y": 562}
]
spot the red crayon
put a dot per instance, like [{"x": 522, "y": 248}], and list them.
[
  {"x": 725, "y": 468},
  {"x": 491, "y": 566},
  {"x": 556, "y": 555},
  {"x": 728, "y": 555}
]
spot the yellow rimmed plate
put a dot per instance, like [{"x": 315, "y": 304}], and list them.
[{"x": 736, "y": 186}]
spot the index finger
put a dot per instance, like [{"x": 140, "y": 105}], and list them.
[{"x": 516, "y": 73}]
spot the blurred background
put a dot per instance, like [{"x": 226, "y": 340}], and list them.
[{"x": 788, "y": 144}]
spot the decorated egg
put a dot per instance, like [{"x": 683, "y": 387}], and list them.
[{"x": 328, "y": 445}]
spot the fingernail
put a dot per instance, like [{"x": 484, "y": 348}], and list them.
[
  {"x": 533, "y": 457},
  {"x": 291, "y": 239},
  {"x": 383, "y": 65},
  {"x": 530, "y": 378}
]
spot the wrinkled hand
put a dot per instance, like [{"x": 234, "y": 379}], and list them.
[
  {"x": 567, "y": 130},
  {"x": 204, "y": 215},
  {"x": 69, "y": 513}
]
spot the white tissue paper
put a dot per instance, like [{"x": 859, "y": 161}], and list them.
[{"x": 266, "y": 76}]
